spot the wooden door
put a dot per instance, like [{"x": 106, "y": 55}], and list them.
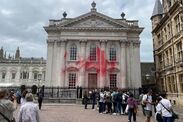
[{"x": 92, "y": 80}]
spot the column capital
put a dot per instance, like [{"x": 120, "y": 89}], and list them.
[
  {"x": 136, "y": 43},
  {"x": 50, "y": 40},
  {"x": 103, "y": 41},
  {"x": 83, "y": 40}
]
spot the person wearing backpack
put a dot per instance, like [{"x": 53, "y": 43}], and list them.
[
  {"x": 124, "y": 102},
  {"x": 147, "y": 101}
]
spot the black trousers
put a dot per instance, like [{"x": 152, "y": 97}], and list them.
[{"x": 40, "y": 100}]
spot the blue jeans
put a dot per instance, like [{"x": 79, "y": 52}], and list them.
[
  {"x": 168, "y": 119},
  {"x": 118, "y": 107}
]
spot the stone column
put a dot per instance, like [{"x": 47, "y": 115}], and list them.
[
  {"x": 136, "y": 66},
  {"x": 49, "y": 62},
  {"x": 17, "y": 77},
  {"x": 102, "y": 62},
  {"x": 128, "y": 57},
  {"x": 82, "y": 59},
  {"x": 62, "y": 63},
  {"x": 123, "y": 64},
  {"x": 30, "y": 75},
  {"x": 8, "y": 75},
  {"x": 54, "y": 65}
]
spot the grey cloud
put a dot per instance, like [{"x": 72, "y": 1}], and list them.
[{"x": 24, "y": 26}]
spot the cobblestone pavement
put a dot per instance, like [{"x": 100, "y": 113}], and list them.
[{"x": 77, "y": 113}]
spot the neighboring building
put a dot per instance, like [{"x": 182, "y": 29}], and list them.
[
  {"x": 16, "y": 71},
  {"x": 167, "y": 30},
  {"x": 93, "y": 51},
  {"x": 148, "y": 74}
]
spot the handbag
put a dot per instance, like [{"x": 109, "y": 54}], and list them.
[
  {"x": 174, "y": 115},
  {"x": 7, "y": 118}
]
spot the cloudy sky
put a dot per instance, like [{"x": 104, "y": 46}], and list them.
[{"x": 22, "y": 21}]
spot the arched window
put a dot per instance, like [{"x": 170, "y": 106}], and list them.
[
  {"x": 93, "y": 52},
  {"x": 112, "y": 53},
  {"x": 73, "y": 52}
]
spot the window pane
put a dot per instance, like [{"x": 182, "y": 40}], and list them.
[
  {"x": 3, "y": 75},
  {"x": 72, "y": 80},
  {"x": 73, "y": 52},
  {"x": 93, "y": 53},
  {"x": 13, "y": 75},
  {"x": 113, "y": 80},
  {"x": 112, "y": 54}
]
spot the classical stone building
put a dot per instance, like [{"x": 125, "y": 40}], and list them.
[
  {"x": 167, "y": 30},
  {"x": 16, "y": 71},
  {"x": 93, "y": 51}
]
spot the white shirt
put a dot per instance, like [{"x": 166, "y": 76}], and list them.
[
  {"x": 149, "y": 99},
  {"x": 22, "y": 101},
  {"x": 29, "y": 112},
  {"x": 101, "y": 97},
  {"x": 168, "y": 105}
]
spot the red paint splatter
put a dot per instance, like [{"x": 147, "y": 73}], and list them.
[
  {"x": 100, "y": 65},
  {"x": 65, "y": 54}
]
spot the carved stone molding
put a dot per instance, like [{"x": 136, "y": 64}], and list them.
[
  {"x": 128, "y": 44},
  {"x": 83, "y": 40},
  {"x": 103, "y": 41},
  {"x": 136, "y": 43},
  {"x": 50, "y": 40}
]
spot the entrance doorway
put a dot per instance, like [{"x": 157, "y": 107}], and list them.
[{"x": 92, "y": 80}]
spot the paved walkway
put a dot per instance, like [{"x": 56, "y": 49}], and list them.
[{"x": 77, "y": 113}]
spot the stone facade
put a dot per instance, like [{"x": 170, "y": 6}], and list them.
[
  {"x": 16, "y": 71},
  {"x": 93, "y": 51},
  {"x": 167, "y": 31}
]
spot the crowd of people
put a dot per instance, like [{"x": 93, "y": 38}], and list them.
[
  {"x": 29, "y": 110},
  {"x": 114, "y": 102},
  {"x": 119, "y": 102}
]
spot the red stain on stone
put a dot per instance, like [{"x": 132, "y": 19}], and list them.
[
  {"x": 100, "y": 65},
  {"x": 65, "y": 54}
]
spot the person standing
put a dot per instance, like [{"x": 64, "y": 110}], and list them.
[
  {"x": 140, "y": 101},
  {"x": 158, "y": 116},
  {"x": 29, "y": 112},
  {"x": 7, "y": 107},
  {"x": 124, "y": 102},
  {"x": 40, "y": 98},
  {"x": 85, "y": 99},
  {"x": 132, "y": 107},
  {"x": 101, "y": 101},
  {"x": 147, "y": 101},
  {"x": 166, "y": 109},
  {"x": 94, "y": 98}
]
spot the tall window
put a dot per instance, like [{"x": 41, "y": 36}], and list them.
[
  {"x": 72, "y": 80},
  {"x": 73, "y": 52},
  {"x": 3, "y": 75},
  {"x": 93, "y": 52},
  {"x": 113, "y": 80},
  {"x": 112, "y": 53},
  {"x": 24, "y": 75},
  {"x": 179, "y": 50},
  {"x": 181, "y": 82},
  {"x": 177, "y": 23},
  {"x": 35, "y": 75},
  {"x": 13, "y": 75}
]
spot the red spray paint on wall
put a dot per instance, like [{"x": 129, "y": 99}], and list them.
[{"x": 100, "y": 65}]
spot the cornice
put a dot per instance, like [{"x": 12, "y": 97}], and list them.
[{"x": 138, "y": 30}]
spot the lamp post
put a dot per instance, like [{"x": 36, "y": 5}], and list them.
[{"x": 147, "y": 77}]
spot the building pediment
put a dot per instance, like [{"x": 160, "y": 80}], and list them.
[{"x": 93, "y": 20}]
